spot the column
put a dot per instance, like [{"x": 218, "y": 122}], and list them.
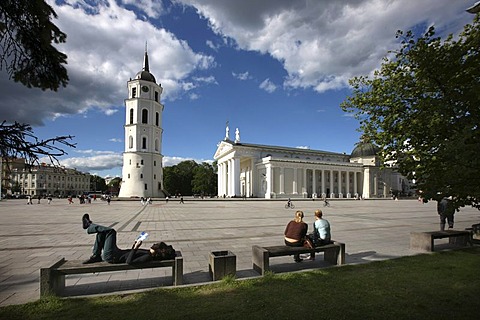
[
  {"x": 331, "y": 184},
  {"x": 219, "y": 180},
  {"x": 355, "y": 188},
  {"x": 304, "y": 183},
  {"x": 236, "y": 177},
  {"x": 269, "y": 181},
  {"x": 347, "y": 180},
  {"x": 340, "y": 193},
  {"x": 314, "y": 183},
  {"x": 282, "y": 180},
  {"x": 295, "y": 191},
  {"x": 323, "y": 181}
]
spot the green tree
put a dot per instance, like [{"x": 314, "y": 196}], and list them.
[
  {"x": 205, "y": 179},
  {"x": 423, "y": 109},
  {"x": 113, "y": 186},
  {"x": 26, "y": 50},
  {"x": 178, "y": 179},
  {"x": 97, "y": 183}
]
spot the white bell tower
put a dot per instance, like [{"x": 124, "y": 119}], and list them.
[{"x": 142, "y": 173}]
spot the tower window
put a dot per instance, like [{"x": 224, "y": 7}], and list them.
[
  {"x": 156, "y": 144},
  {"x": 154, "y": 163},
  {"x": 154, "y": 177},
  {"x": 141, "y": 175},
  {"x": 131, "y": 116},
  {"x": 144, "y": 143},
  {"x": 128, "y": 176},
  {"x": 156, "y": 96},
  {"x": 146, "y": 187},
  {"x": 134, "y": 92},
  {"x": 157, "y": 119},
  {"x": 144, "y": 116},
  {"x": 130, "y": 144}
]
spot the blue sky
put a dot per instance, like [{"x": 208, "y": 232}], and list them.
[{"x": 275, "y": 69}]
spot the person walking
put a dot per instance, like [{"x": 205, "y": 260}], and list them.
[{"x": 446, "y": 211}]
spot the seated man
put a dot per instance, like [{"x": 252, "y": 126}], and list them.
[{"x": 321, "y": 230}]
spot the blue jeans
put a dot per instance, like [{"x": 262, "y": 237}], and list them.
[{"x": 106, "y": 240}]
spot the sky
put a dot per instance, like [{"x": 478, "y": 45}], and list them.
[{"x": 277, "y": 70}]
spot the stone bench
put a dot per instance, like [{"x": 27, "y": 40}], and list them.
[
  {"x": 52, "y": 279},
  {"x": 424, "y": 241},
  {"x": 334, "y": 253}
]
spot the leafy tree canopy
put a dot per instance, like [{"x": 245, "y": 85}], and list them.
[
  {"x": 26, "y": 50},
  {"x": 423, "y": 109}
]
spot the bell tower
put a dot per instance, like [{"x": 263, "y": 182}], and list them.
[{"x": 142, "y": 173}]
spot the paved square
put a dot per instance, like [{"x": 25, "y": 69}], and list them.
[{"x": 38, "y": 235}]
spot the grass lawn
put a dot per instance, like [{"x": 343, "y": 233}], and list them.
[{"x": 443, "y": 285}]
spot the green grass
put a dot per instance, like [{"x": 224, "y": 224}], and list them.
[{"x": 442, "y": 285}]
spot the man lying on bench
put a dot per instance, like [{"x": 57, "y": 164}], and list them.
[{"x": 106, "y": 241}]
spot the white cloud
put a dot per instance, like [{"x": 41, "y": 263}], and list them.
[
  {"x": 110, "y": 112},
  {"x": 115, "y": 140},
  {"x": 105, "y": 47},
  {"x": 303, "y": 147},
  {"x": 268, "y": 86},
  {"x": 322, "y": 44},
  {"x": 241, "y": 76}
]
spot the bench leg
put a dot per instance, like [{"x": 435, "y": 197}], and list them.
[
  {"x": 459, "y": 240},
  {"x": 335, "y": 255},
  {"x": 421, "y": 242},
  {"x": 177, "y": 271},
  {"x": 51, "y": 282},
  {"x": 260, "y": 260}
]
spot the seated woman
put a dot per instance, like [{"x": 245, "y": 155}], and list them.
[
  {"x": 296, "y": 232},
  {"x": 106, "y": 241}
]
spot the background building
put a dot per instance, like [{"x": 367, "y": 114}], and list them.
[{"x": 43, "y": 180}]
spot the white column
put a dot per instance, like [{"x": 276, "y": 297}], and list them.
[
  {"x": 314, "y": 182},
  {"x": 282, "y": 180},
  {"x": 323, "y": 181},
  {"x": 355, "y": 188},
  {"x": 347, "y": 181},
  {"x": 219, "y": 180},
  {"x": 295, "y": 191},
  {"x": 269, "y": 181},
  {"x": 304, "y": 183},
  {"x": 340, "y": 193},
  {"x": 331, "y": 183},
  {"x": 236, "y": 177}
]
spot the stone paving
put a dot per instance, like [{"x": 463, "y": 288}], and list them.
[{"x": 38, "y": 235}]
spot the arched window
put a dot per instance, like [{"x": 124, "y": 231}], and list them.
[
  {"x": 144, "y": 143},
  {"x": 130, "y": 142},
  {"x": 131, "y": 116},
  {"x": 156, "y": 144},
  {"x": 144, "y": 116}
]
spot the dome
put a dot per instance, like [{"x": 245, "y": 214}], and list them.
[
  {"x": 365, "y": 149},
  {"x": 145, "y": 75}
]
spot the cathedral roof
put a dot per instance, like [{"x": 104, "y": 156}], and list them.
[{"x": 365, "y": 149}]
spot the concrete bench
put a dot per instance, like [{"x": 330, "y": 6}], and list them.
[
  {"x": 424, "y": 241},
  {"x": 52, "y": 279},
  {"x": 334, "y": 253}
]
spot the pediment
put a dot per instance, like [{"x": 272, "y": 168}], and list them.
[{"x": 223, "y": 148}]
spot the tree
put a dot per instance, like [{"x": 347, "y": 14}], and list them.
[
  {"x": 205, "y": 179},
  {"x": 178, "y": 179},
  {"x": 18, "y": 141},
  {"x": 26, "y": 50},
  {"x": 97, "y": 183},
  {"x": 423, "y": 109}
]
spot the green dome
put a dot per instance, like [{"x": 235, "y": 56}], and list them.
[{"x": 365, "y": 149}]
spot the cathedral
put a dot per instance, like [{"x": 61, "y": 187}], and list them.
[
  {"x": 263, "y": 171},
  {"x": 142, "y": 173}
]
